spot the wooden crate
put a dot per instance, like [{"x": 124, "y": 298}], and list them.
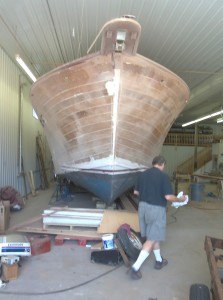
[{"x": 9, "y": 272}]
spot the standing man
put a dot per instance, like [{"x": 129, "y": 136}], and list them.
[{"x": 154, "y": 190}]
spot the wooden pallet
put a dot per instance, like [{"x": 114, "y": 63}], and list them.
[
  {"x": 71, "y": 218},
  {"x": 89, "y": 233},
  {"x": 64, "y": 227},
  {"x": 212, "y": 244},
  {"x": 35, "y": 226},
  {"x": 111, "y": 221},
  {"x": 82, "y": 240}
]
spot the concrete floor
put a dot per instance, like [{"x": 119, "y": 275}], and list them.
[{"x": 66, "y": 272}]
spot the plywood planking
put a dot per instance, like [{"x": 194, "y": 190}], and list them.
[{"x": 112, "y": 220}]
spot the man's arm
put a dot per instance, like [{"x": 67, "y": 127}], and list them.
[{"x": 173, "y": 198}]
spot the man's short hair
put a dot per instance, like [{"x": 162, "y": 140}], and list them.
[{"x": 158, "y": 160}]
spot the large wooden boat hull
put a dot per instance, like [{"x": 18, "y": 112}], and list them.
[{"x": 106, "y": 115}]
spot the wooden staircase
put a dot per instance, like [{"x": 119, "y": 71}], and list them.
[{"x": 203, "y": 156}]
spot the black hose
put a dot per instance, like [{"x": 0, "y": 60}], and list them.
[{"x": 60, "y": 291}]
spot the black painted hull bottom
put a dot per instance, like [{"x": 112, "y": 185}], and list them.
[{"x": 107, "y": 187}]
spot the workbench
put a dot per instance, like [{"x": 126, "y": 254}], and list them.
[
  {"x": 214, "y": 250},
  {"x": 182, "y": 178},
  {"x": 219, "y": 179}
]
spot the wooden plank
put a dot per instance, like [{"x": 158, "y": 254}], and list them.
[
  {"x": 40, "y": 157},
  {"x": 85, "y": 210},
  {"x": 206, "y": 176},
  {"x": 113, "y": 219},
  {"x": 79, "y": 232},
  {"x": 30, "y": 221},
  {"x": 31, "y": 183},
  {"x": 32, "y": 178},
  {"x": 82, "y": 241},
  {"x": 122, "y": 252},
  {"x": 183, "y": 176},
  {"x": 216, "y": 282},
  {"x": 67, "y": 227},
  {"x": 25, "y": 224}
]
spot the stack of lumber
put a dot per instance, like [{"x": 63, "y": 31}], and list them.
[
  {"x": 72, "y": 217},
  {"x": 79, "y": 222}
]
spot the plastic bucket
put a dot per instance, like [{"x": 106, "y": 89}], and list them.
[
  {"x": 108, "y": 241},
  {"x": 197, "y": 191}
]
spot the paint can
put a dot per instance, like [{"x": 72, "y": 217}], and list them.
[{"x": 108, "y": 241}]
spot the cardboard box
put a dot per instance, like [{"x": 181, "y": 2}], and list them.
[
  {"x": 4, "y": 215},
  {"x": 10, "y": 272}
]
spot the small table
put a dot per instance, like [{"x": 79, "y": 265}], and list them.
[
  {"x": 219, "y": 179},
  {"x": 181, "y": 177}
]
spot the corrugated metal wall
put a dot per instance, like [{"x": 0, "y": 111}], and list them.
[{"x": 14, "y": 96}]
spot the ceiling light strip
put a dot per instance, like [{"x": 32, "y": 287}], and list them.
[
  {"x": 25, "y": 68},
  {"x": 203, "y": 118}
]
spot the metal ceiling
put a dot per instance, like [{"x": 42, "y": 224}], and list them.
[{"x": 186, "y": 36}]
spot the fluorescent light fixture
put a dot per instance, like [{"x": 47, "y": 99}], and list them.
[
  {"x": 25, "y": 68},
  {"x": 203, "y": 118},
  {"x": 220, "y": 120}
]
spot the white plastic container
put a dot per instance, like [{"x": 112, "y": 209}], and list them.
[{"x": 108, "y": 241}]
